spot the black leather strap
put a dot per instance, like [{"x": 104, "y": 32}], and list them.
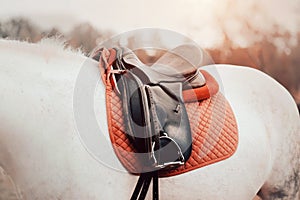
[
  {"x": 142, "y": 186},
  {"x": 155, "y": 186}
]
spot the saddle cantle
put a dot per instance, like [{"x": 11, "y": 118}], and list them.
[{"x": 164, "y": 119}]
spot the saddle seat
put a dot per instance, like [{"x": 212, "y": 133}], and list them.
[
  {"x": 186, "y": 73},
  {"x": 182, "y": 70}
]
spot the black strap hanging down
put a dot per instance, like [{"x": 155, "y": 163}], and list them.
[
  {"x": 158, "y": 130},
  {"x": 143, "y": 184}
]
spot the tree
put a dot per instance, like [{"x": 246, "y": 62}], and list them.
[
  {"x": 20, "y": 29},
  {"x": 86, "y": 37}
]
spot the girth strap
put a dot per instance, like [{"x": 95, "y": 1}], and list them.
[{"x": 143, "y": 184}]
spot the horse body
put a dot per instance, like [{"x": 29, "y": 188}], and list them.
[{"x": 42, "y": 152}]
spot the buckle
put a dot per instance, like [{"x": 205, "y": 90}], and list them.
[{"x": 112, "y": 78}]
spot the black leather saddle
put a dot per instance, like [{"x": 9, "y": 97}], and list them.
[{"x": 154, "y": 113}]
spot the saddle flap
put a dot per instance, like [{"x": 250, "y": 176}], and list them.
[{"x": 170, "y": 117}]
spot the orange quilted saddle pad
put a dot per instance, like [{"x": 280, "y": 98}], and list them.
[{"x": 213, "y": 125}]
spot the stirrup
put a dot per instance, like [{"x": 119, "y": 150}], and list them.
[{"x": 157, "y": 155}]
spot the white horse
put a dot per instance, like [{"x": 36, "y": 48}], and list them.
[{"x": 43, "y": 153}]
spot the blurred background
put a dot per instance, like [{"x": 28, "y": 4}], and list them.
[{"x": 263, "y": 34}]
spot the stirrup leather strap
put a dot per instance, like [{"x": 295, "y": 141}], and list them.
[{"x": 143, "y": 184}]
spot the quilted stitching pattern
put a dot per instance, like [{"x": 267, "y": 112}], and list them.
[
  {"x": 213, "y": 126},
  {"x": 215, "y": 133}
]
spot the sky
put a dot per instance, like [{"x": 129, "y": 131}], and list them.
[{"x": 206, "y": 21}]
